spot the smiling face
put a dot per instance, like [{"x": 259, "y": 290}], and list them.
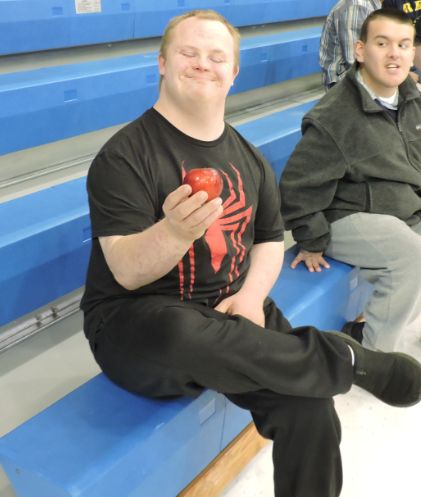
[
  {"x": 387, "y": 55},
  {"x": 199, "y": 64}
]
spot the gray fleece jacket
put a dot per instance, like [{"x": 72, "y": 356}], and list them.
[{"x": 353, "y": 157}]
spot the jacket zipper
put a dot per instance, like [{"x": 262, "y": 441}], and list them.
[
  {"x": 401, "y": 132},
  {"x": 398, "y": 125},
  {"x": 367, "y": 198},
  {"x": 403, "y": 138}
]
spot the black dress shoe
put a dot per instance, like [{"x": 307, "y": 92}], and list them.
[
  {"x": 392, "y": 377},
  {"x": 354, "y": 330}
]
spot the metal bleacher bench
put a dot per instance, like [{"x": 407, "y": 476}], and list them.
[{"x": 100, "y": 441}]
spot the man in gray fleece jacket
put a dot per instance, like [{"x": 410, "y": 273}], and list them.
[{"x": 351, "y": 189}]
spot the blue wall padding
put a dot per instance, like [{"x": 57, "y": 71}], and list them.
[
  {"x": 30, "y": 25},
  {"x": 101, "y": 441},
  {"x": 54, "y": 103},
  {"x": 45, "y": 236}
]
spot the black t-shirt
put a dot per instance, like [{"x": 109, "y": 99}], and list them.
[
  {"x": 411, "y": 7},
  {"x": 129, "y": 181}
]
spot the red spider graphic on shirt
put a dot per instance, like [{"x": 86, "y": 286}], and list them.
[{"x": 233, "y": 220}]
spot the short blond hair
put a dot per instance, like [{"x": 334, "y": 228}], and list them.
[{"x": 208, "y": 15}]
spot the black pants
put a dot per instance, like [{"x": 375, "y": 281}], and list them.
[{"x": 162, "y": 347}]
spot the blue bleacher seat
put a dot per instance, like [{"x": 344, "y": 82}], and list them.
[
  {"x": 152, "y": 18},
  {"x": 101, "y": 441},
  {"x": 45, "y": 242},
  {"x": 30, "y": 25},
  {"x": 45, "y": 237},
  {"x": 277, "y": 134},
  {"x": 50, "y": 104},
  {"x": 115, "y": 444},
  {"x": 270, "y": 59}
]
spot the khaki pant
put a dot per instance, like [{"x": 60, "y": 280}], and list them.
[{"x": 389, "y": 254}]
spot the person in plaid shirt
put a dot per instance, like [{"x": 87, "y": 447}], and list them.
[{"x": 340, "y": 33}]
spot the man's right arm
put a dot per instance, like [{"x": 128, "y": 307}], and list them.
[{"x": 139, "y": 259}]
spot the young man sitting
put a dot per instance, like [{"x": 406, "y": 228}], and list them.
[{"x": 352, "y": 187}]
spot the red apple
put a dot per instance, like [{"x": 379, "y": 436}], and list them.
[{"x": 207, "y": 180}]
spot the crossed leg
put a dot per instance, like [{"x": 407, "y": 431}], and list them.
[{"x": 161, "y": 347}]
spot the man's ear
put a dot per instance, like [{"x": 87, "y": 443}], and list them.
[
  {"x": 161, "y": 64},
  {"x": 359, "y": 51},
  {"x": 235, "y": 75},
  {"x": 414, "y": 49}
]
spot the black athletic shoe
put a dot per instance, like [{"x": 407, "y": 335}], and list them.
[
  {"x": 392, "y": 377},
  {"x": 354, "y": 330}
]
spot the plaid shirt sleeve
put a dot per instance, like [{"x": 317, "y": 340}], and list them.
[
  {"x": 349, "y": 27},
  {"x": 339, "y": 36}
]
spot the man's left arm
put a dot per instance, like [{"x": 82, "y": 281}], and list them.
[
  {"x": 265, "y": 266},
  {"x": 349, "y": 27}
]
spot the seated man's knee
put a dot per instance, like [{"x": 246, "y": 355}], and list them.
[{"x": 409, "y": 260}]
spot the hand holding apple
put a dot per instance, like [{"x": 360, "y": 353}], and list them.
[
  {"x": 207, "y": 179},
  {"x": 189, "y": 216}
]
